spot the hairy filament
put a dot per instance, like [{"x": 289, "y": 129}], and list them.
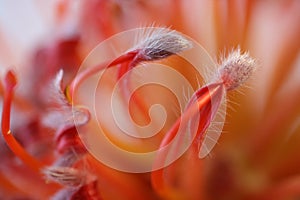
[
  {"x": 202, "y": 104},
  {"x": 234, "y": 71},
  {"x": 203, "y": 97},
  {"x": 158, "y": 44},
  {"x": 92, "y": 70},
  {"x": 10, "y": 82}
]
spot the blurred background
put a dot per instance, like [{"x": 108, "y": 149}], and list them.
[{"x": 257, "y": 156}]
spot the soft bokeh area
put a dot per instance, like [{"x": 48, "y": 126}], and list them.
[{"x": 257, "y": 155}]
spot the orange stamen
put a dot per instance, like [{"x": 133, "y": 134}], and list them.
[
  {"x": 92, "y": 70},
  {"x": 9, "y": 85},
  {"x": 203, "y": 96}
]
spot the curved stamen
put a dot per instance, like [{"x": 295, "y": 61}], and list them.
[
  {"x": 10, "y": 82},
  {"x": 203, "y": 106},
  {"x": 92, "y": 70}
]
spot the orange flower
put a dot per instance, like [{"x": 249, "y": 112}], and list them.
[{"x": 256, "y": 156}]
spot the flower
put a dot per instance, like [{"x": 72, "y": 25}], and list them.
[{"x": 257, "y": 153}]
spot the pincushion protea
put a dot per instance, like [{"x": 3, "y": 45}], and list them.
[
  {"x": 258, "y": 158},
  {"x": 159, "y": 45}
]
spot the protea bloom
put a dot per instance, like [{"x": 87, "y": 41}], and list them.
[{"x": 257, "y": 153}]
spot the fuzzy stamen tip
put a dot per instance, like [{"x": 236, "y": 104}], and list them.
[{"x": 236, "y": 69}]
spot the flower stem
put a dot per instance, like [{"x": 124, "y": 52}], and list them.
[{"x": 13, "y": 144}]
